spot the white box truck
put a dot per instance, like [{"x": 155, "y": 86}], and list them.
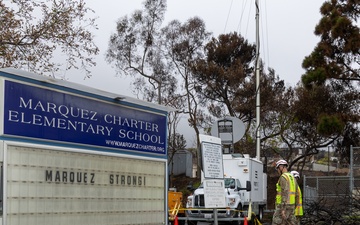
[
  {"x": 245, "y": 183},
  {"x": 71, "y": 154}
]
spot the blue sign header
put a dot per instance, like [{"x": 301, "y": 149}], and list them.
[{"x": 36, "y": 112}]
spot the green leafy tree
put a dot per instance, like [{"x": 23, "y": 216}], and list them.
[
  {"x": 31, "y": 32},
  {"x": 321, "y": 116},
  {"x": 334, "y": 67},
  {"x": 336, "y": 56},
  {"x": 303, "y": 132}
]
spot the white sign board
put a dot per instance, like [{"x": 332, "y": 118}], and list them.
[
  {"x": 214, "y": 193},
  {"x": 47, "y": 186},
  {"x": 212, "y": 157}
]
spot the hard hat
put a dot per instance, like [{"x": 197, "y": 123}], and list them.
[
  {"x": 295, "y": 174},
  {"x": 281, "y": 162}
]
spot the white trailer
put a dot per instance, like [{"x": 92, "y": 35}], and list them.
[
  {"x": 248, "y": 170},
  {"x": 70, "y": 154}
]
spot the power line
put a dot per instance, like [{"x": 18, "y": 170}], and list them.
[{"x": 227, "y": 19}]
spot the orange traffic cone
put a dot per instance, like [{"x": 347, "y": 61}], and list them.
[
  {"x": 176, "y": 222},
  {"x": 245, "y": 221}
]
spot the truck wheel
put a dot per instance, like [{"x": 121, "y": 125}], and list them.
[
  {"x": 260, "y": 216},
  {"x": 238, "y": 214}
]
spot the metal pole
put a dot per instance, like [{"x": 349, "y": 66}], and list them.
[
  {"x": 305, "y": 192},
  {"x": 351, "y": 175},
  {"x": 215, "y": 217},
  {"x": 257, "y": 82},
  {"x": 351, "y": 168},
  {"x": 328, "y": 160}
]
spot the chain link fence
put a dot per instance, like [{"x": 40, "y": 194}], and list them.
[
  {"x": 332, "y": 190},
  {"x": 333, "y": 199}
]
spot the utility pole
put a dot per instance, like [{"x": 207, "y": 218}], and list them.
[{"x": 257, "y": 72}]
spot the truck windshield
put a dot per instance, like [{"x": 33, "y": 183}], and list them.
[{"x": 229, "y": 182}]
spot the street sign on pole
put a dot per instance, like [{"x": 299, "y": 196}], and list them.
[
  {"x": 214, "y": 193},
  {"x": 213, "y": 169},
  {"x": 212, "y": 157}
]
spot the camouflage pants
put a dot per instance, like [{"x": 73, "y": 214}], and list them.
[{"x": 290, "y": 217}]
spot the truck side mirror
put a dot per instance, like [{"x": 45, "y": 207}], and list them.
[
  {"x": 248, "y": 186},
  {"x": 190, "y": 186}
]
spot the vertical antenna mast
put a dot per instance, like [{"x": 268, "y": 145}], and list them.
[{"x": 257, "y": 72}]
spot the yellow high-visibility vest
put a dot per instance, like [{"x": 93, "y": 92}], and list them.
[
  {"x": 292, "y": 191},
  {"x": 299, "y": 207}
]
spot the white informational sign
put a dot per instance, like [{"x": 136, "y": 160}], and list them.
[
  {"x": 212, "y": 157},
  {"x": 211, "y": 152},
  {"x": 62, "y": 187},
  {"x": 214, "y": 193}
]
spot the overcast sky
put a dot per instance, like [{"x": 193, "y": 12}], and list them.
[{"x": 286, "y": 32}]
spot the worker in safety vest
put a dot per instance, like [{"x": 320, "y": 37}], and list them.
[
  {"x": 299, "y": 212},
  {"x": 286, "y": 196}
]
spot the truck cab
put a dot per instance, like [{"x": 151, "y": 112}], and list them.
[{"x": 233, "y": 192}]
